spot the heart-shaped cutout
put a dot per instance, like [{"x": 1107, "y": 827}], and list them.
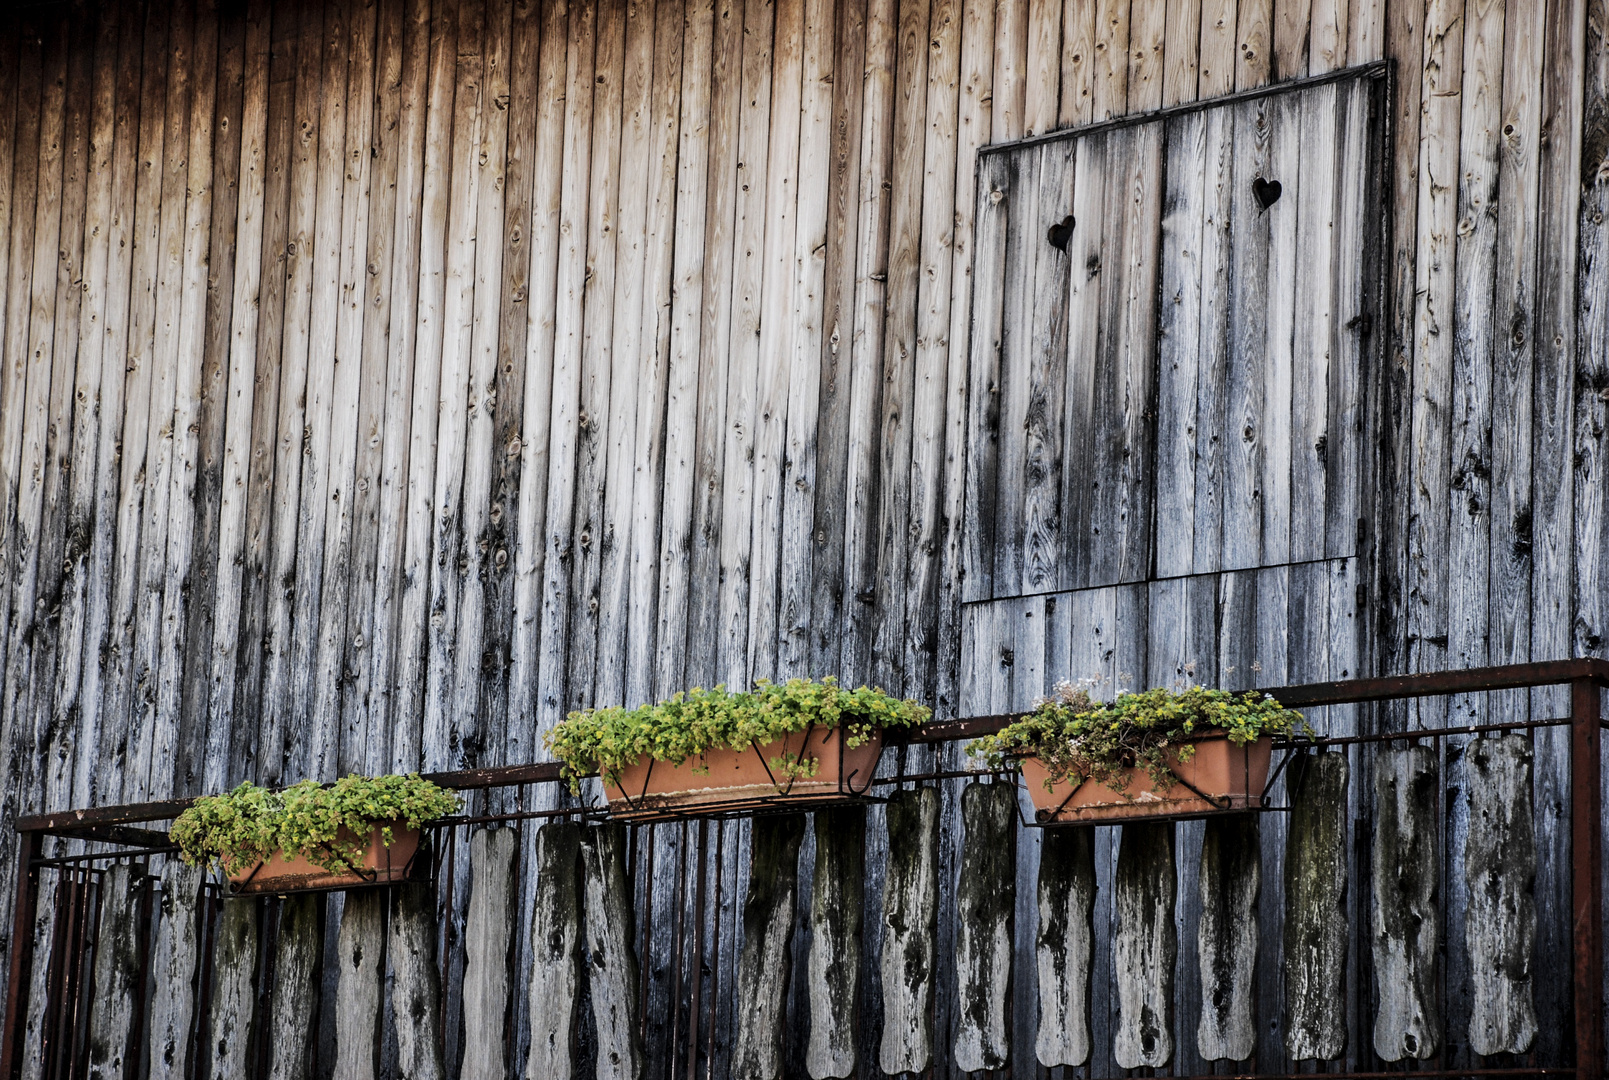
[
  {"x": 1266, "y": 191},
  {"x": 1060, "y": 233}
]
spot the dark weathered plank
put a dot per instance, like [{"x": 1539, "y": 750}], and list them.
[
  {"x": 555, "y": 954},
  {"x": 118, "y": 957},
  {"x": 996, "y": 272},
  {"x": 1316, "y": 868},
  {"x": 985, "y": 903},
  {"x": 1405, "y": 865},
  {"x": 1231, "y": 877},
  {"x": 416, "y": 985},
  {"x": 174, "y": 962},
  {"x": 1243, "y": 433},
  {"x": 293, "y": 1009},
  {"x": 910, "y": 910},
  {"x": 230, "y": 1013},
  {"x": 360, "y": 948},
  {"x": 1064, "y": 945},
  {"x": 1145, "y": 946},
  {"x": 489, "y": 931},
  {"x": 1178, "y": 338},
  {"x": 1499, "y": 868},
  {"x": 611, "y": 962},
  {"x": 836, "y": 910},
  {"x": 768, "y": 916}
]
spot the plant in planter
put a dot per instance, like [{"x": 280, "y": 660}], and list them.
[
  {"x": 356, "y": 831},
  {"x": 1160, "y": 753},
  {"x": 802, "y": 740}
]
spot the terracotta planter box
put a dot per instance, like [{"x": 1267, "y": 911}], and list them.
[
  {"x": 1233, "y": 776},
  {"x": 381, "y": 866},
  {"x": 728, "y": 781}
]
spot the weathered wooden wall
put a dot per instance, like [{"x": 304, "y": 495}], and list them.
[{"x": 381, "y": 380}]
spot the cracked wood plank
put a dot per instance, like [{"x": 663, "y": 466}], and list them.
[
  {"x": 1065, "y": 945},
  {"x": 1145, "y": 945},
  {"x": 1231, "y": 878},
  {"x": 837, "y": 907},
  {"x": 910, "y": 917},
  {"x": 1315, "y": 936},
  {"x": 489, "y": 930},
  {"x": 611, "y": 960},
  {"x": 1406, "y": 859},
  {"x": 985, "y": 904},
  {"x": 763, "y": 968},
  {"x": 1500, "y": 869},
  {"x": 555, "y": 956}
]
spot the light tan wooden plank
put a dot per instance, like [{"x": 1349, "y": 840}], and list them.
[
  {"x": 1044, "y": 55},
  {"x": 1366, "y": 31},
  {"x": 1111, "y": 71},
  {"x": 1183, "y": 54},
  {"x": 1010, "y": 68},
  {"x": 1148, "y": 28},
  {"x": 1077, "y": 63},
  {"x": 1327, "y": 36},
  {"x": 1217, "y": 64},
  {"x": 1254, "y": 34},
  {"x": 1291, "y": 23}
]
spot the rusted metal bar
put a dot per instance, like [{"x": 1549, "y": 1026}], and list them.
[
  {"x": 126, "y": 835},
  {"x": 1586, "y": 875},
  {"x": 22, "y": 947},
  {"x": 1418, "y": 733}
]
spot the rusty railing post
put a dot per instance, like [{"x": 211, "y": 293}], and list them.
[
  {"x": 1586, "y": 875},
  {"x": 22, "y": 947}
]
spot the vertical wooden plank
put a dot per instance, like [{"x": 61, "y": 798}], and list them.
[
  {"x": 1366, "y": 31},
  {"x": 1217, "y": 66},
  {"x": 1145, "y": 946},
  {"x": 1292, "y": 19},
  {"x": 1185, "y": 41},
  {"x": 932, "y": 403},
  {"x": 1148, "y": 27},
  {"x": 358, "y": 1008},
  {"x": 539, "y": 404},
  {"x": 1327, "y": 36},
  {"x": 1077, "y": 63},
  {"x": 1314, "y": 329},
  {"x": 1315, "y": 943},
  {"x": 1027, "y": 551},
  {"x": 118, "y": 958},
  {"x": 1275, "y": 433},
  {"x": 1007, "y": 254},
  {"x": 1041, "y": 95},
  {"x": 1243, "y": 434},
  {"x": 172, "y": 1006},
  {"x": 1433, "y": 349},
  {"x": 1254, "y": 32},
  {"x": 650, "y": 78},
  {"x": 1010, "y": 95},
  {"x": 910, "y": 912},
  {"x": 717, "y": 344},
  {"x": 1111, "y": 50},
  {"x": 1351, "y": 330},
  {"x": 794, "y": 626},
  {"x": 1592, "y": 415},
  {"x": 234, "y": 989},
  {"x": 985, "y": 901},
  {"x": 555, "y": 951},
  {"x": 1179, "y": 338},
  {"x": 1064, "y": 946},
  {"x": 416, "y": 985},
  {"x": 1215, "y": 445},
  {"x": 739, "y": 478},
  {"x": 1405, "y": 865},
  {"x": 294, "y": 1006},
  {"x": 612, "y": 963},
  {"x": 488, "y": 933},
  {"x": 1499, "y": 866},
  {"x": 1086, "y": 266},
  {"x": 836, "y": 909},
  {"x": 768, "y": 915},
  {"x": 1231, "y": 878}
]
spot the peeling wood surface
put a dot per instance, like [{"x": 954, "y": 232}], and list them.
[
  {"x": 910, "y": 909},
  {"x": 985, "y": 905},
  {"x": 837, "y": 908},
  {"x": 1316, "y": 924},
  {"x": 1145, "y": 946},
  {"x": 1405, "y": 867},
  {"x": 1064, "y": 946},
  {"x": 359, "y": 985},
  {"x": 555, "y": 952},
  {"x": 1231, "y": 877},
  {"x": 1499, "y": 866},
  {"x": 488, "y": 934},
  {"x": 768, "y": 914}
]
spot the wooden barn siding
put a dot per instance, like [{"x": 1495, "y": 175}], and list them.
[{"x": 383, "y": 379}]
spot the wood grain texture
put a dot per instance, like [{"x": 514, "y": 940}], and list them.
[
  {"x": 555, "y": 952},
  {"x": 768, "y": 917},
  {"x": 910, "y": 910},
  {"x": 172, "y": 1007},
  {"x": 1145, "y": 945},
  {"x": 230, "y": 1013},
  {"x": 294, "y": 1007},
  {"x": 1063, "y": 946},
  {"x": 117, "y": 974},
  {"x": 985, "y": 903},
  {"x": 416, "y": 985},
  {"x": 1231, "y": 878},
  {"x": 488, "y": 932},
  {"x": 1405, "y": 862},
  {"x": 1315, "y": 912},
  {"x": 360, "y": 946},
  {"x": 837, "y": 906},
  {"x": 612, "y": 967}
]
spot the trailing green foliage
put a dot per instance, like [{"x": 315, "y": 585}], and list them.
[
  {"x": 251, "y": 823},
  {"x": 606, "y": 741},
  {"x": 1076, "y": 737}
]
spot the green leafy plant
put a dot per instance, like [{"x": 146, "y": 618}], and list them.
[
  {"x": 1075, "y": 737},
  {"x": 606, "y": 741},
  {"x": 251, "y": 823}
]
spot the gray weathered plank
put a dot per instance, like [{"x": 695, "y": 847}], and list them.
[
  {"x": 985, "y": 905},
  {"x": 416, "y": 985},
  {"x": 489, "y": 931},
  {"x": 1316, "y": 927},
  {"x": 172, "y": 1006},
  {"x": 1178, "y": 338},
  {"x": 910, "y": 911},
  {"x": 293, "y": 1009},
  {"x": 360, "y": 948},
  {"x": 768, "y": 911},
  {"x": 1499, "y": 868},
  {"x": 836, "y": 910},
  {"x": 1064, "y": 945},
  {"x": 234, "y": 989},
  {"x": 611, "y": 960},
  {"x": 1231, "y": 877},
  {"x": 1406, "y": 862},
  {"x": 555, "y": 955},
  {"x": 117, "y": 973},
  {"x": 1145, "y": 946}
]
